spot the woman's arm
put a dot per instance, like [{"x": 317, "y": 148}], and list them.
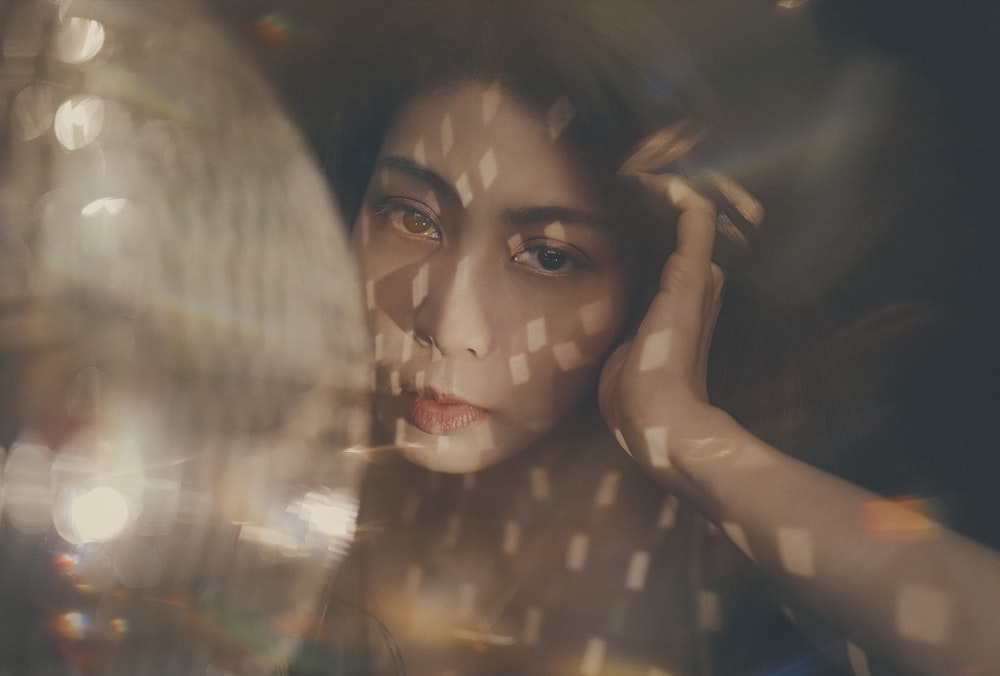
[{"x": 899, "y": 586}]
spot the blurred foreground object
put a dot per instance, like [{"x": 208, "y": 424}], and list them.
[{"x": 183, "y": 356}]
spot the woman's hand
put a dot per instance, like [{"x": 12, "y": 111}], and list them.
[
  {"x": 926, "y": 604},
  {"x": 653, "y": 391}
]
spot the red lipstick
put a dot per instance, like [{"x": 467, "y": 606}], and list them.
[{"x": 440, "y": 414}]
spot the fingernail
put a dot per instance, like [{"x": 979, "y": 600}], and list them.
[
  {"x": 748, "y": 206},
  {"x": 657, "y": 151}
]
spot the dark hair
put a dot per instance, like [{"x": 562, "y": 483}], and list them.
[{"x": 547, "y": 53}]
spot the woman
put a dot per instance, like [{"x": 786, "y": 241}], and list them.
[{"x": 505, "y": 237}]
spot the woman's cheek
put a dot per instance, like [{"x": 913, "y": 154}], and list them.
[{"x": 578, "y": 331}]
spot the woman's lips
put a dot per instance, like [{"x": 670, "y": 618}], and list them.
[{"x": 440, "y": 414}]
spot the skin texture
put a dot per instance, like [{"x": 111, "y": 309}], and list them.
[
  {"x": 495, "y": 284},
  {"x": 915, "y": 595}
]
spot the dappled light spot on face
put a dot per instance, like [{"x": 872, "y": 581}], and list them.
[
  {"x": 400, "y": 436},
  {"x": 655, "y": 351},
  {"x": 484, "y": 437},
  {"x": 709, "y": 610},
  {"x": 656, "y": 442},
  {"x": 464, "y": 189},
  {"x": 407, "y": 346},
  {"x": 519, "y": 371},
  {"x": 539, "y": 479},
  {"x": 488, "y": 168},
  {"x": 593, "y": 657},
  {"x": 532, "y": 625},
  {"x": 394, "y": 383},
  {"x": 638, "y": 567},
  {"x": 536, "y": 334},
  {"x": 431, "y": 200},
  {"x": 569, "y": 356},
  {"x": 379, "y": 346},
  {"x": 511, "y": 542},
  {"x": 420, "y": 151},
  {"x": 576, "y": 553},
  {"x": 419, "y": 379},
  {"x": 559, "y": 115},
  {"x": 796, "y": 548},
  {"x": 420, "y": 285},
  {"x": 447, "y": 135},
  {"x": 556, "y": 230},
  {"x": 464, "y": 269},
  {"x": 597, "y": 315},
  {"x": 738, "y": 536},
  {"x": 607, "y": 489},
  {"x": 514, "y": 243},
  {"x": 923, "y": 614}
]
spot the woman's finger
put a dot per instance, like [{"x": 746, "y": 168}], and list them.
[{"x": 696, "y": 223}]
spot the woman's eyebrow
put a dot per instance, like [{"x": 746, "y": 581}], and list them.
[
  {"x": 522, "y": 216},
  {"x": 418, "y": 171}
]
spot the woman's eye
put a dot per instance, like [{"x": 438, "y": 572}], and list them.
[
  {"x": 409, "y": 220},
  {"x": 550, "y": 260}
]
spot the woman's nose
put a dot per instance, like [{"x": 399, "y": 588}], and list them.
[{"x": 453, "y": 315}]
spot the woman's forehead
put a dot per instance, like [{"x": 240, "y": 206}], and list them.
[{"x": 482, "y": 140}]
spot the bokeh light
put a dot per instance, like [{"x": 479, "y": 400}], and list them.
[
  {"x": 190, "y": 361},
  {"x": 99, "y": 514}
]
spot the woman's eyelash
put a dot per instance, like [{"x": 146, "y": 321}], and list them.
[
  {"x": 550, "y": 258},
  {"x": 409, "y": 217}
]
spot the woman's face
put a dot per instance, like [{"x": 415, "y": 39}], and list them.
[{"x": 495, "y": 282}]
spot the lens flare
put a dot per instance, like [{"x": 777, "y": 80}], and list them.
[{"x": 99, "y": 514}]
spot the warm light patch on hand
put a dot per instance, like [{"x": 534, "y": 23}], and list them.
[{"x": 902, "y": 518}]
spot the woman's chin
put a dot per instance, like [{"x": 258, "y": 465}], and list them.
[
  {"x": 463, "y": 452},
  {"x": 451, "y": 461}
]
